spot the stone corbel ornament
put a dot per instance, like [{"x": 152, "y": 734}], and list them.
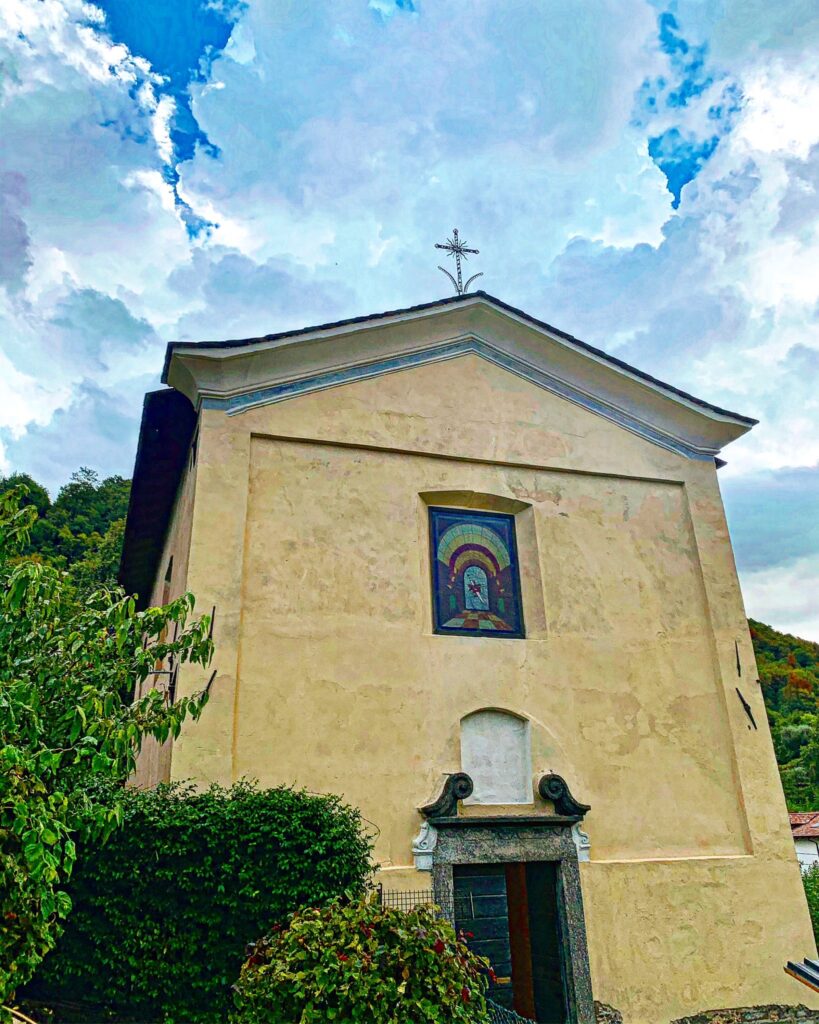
[
  {"x": 423, "y": 847},
  {"x": 554, "y": 788},
  {"x": 582, "y": 842},
  {"x": 458, "y": 786}
]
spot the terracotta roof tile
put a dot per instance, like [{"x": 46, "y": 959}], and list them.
[{"x": 804, "y": 824}]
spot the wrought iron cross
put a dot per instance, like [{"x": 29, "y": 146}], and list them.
[{"x": 455, "y": 247}]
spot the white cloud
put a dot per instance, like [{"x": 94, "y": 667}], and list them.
[
  {"x": 24, "y": 401},
  {"x": 86, "y": 430},
  {"x": 739, "y": 29},
  {"x": 162, "y": 116},
  {"x": 726, "y": 305},
  {"x": 785, "y": 596},
  {"x": 777, "y": 99},
  {"x": 86, "y": 224},
  {"x": 349, "y": 140},
  {"x": 77, "y": 121},
  {"x": 421, "y": 123}
]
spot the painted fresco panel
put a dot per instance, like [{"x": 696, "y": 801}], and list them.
[{"x": 475, "y": 579}]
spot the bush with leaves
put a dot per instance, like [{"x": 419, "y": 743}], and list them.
[
  {"x": 68, "y": 671},
  {"x": 810, "y": 880},
  {"x": 164, "y": 910},
  {"x": 359, "y": 961}
]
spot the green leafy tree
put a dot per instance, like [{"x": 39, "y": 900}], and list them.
[
  {"x": 29, "y": 491},
  {"x": 809, "y": 758},
  {"x": 68, "y": 670},
  {"x": 359, "y": 961},
  {"x": 795, "y": 785},
  {"x": 99, "y": 564},
  {"x": 72, "y": 527},
  {"x": 791, "y": 740},
  {"x": 789, "y": 676},
  {"x": 89, "y": 505}
]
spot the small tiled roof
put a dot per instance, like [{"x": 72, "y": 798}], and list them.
[{"x": 804, "y": 824}]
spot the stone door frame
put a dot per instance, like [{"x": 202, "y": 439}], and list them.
[{"x": 515, "y": 839}]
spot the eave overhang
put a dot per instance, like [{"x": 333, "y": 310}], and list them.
[
  {"x": 243, "y": 374},
  {"x": 165, "y": 433}
]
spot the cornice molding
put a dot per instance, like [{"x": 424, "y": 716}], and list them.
[{"x": 239, "y": 401}]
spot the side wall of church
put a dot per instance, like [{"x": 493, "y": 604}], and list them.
[
  {"x": 154, "y": 760},
  {"x": 310, "y": 535}
]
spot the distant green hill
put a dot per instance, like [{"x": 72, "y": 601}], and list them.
[
  {"x": 789, "y": 674},
  {"x": 81, "y": 530}
]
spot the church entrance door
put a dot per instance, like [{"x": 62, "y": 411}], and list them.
[{"x": 513, "y": 913}]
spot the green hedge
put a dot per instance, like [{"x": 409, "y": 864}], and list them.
[{"x": 164, "y": 911}]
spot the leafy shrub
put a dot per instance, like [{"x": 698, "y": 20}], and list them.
[
  {"x": 810, "y": 879},
  {"x": 163, "y": 911},
  {"x": 358, "y": 961}
]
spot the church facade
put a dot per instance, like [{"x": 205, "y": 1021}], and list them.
[{"x": 475, "y": 577}]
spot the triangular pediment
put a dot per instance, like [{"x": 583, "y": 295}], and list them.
[{"x": 242, "y": 375}]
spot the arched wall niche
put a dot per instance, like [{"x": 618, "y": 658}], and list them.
[
  {"x": 475, "y": 500},
  {"x": 496, "y": 752}
]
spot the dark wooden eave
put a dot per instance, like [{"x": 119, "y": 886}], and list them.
[
  {"x": 807, "y": 972},
  {"x": 168, "y": 423}
]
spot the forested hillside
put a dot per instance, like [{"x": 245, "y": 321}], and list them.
[
  {"x": 789, "y": 674},
  {"x": 82, "y": 530}
]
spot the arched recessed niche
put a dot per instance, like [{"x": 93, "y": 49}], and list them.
[
  {"x": 496, "y": 754},
  {"x": 476, "y": 500}
]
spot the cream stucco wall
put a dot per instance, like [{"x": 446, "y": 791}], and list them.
[{"x": 309, "y": 533}]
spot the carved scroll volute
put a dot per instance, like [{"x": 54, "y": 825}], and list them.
[
  {"x": 458, "y": 786},
  {"x": 554, "y": 788}
]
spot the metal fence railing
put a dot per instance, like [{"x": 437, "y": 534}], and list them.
[
  {"x": 406, "y": 899},
  {"x": 500, "y": 1015},
  {"x": 462, "y": 907},
  {"x": 453, "y": 906}
]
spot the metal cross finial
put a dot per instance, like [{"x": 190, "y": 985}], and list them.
[{"x": 455, "y": 247}]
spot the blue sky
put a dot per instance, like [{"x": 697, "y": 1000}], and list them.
[{"x": 642, "y": 174}]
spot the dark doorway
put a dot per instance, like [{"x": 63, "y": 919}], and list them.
[
  {"x": 481, "y": 910},
  {"x": 513, "y": 914}
]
